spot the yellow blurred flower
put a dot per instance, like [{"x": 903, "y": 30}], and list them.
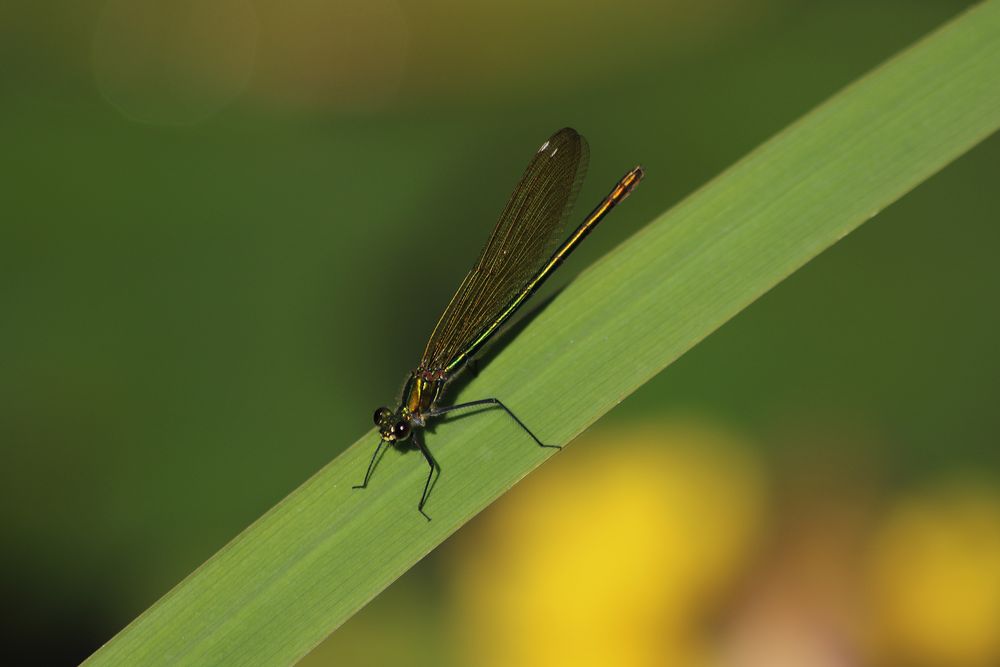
[
  {"x": 936, "y": 580},
  {"x": 612, "y": 556}
]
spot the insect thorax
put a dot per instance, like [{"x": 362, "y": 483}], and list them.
[{"x": 422, "y": 390}]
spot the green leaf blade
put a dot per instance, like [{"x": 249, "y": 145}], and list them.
[{"x": 317, "y": 557}]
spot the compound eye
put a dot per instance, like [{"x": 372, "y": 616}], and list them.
[
  {"x": 381, "y": 415},
  {"x": 402, "y": 430}
]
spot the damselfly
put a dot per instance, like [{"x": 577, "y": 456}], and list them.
[{"x": 525, "y": 248}]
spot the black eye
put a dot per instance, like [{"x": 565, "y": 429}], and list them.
[
  {"x": 402, "y": 430},
  {"x": 381, "y": 415}
]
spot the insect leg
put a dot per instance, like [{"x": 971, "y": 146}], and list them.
[
  {"x": 433, "y": 464},
  {"x": 490, "y": 401},
  {"x": 371, "y": 467}
]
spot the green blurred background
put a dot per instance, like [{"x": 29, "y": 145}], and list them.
[{"x": 212, "y": 212}]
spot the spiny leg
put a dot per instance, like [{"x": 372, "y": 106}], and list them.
[
  {"x": 436, "y": 412},
  {"x": 371, "y": 467},
  {"x": 433, "y": 464}
]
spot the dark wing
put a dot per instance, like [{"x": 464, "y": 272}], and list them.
[{"x": 529, "y": 228}]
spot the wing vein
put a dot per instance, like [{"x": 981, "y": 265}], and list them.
[{"x": 527, "y": 231}]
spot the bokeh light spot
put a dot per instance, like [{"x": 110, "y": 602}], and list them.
[
  {"x": 174, "y": 62},
  {"x": 936, "y": 579},
  {"x": 346, "y": 56},
  {"x": 615, "y": 556}
]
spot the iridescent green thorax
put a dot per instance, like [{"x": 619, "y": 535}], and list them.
[{"x": 422, "y": 390}]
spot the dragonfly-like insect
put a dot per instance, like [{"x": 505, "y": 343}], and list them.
[{"x": 525, "y": 248}]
